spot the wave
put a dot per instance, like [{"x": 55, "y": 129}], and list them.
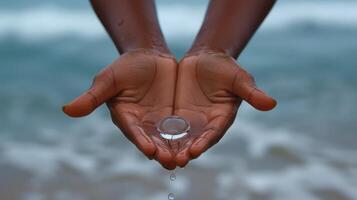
[
  {"x": 178, "y": 21},
  {"x": 87, "y": 147}
]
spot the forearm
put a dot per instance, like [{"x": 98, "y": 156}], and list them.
[
  {"x": 132, "y": 24},
  {"x": 229, "y": 25}
]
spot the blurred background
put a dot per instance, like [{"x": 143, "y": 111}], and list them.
[{"x": 304, "y": 55}]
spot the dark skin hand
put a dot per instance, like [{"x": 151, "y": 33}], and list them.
[
  {"x": 139, "y": 86},
  {"x": 210, "y": 88},
  {"x": 211, "y": 85}
]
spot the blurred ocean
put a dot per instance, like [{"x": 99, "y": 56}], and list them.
[{"x": 306, "y": 149}]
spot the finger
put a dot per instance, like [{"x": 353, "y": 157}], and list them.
[
  {"x": 103, "y": 88},
  {"x": 202, "y": 143},
  {"x": 184, "y": 156},
  {"x": 163, "y": 155},
  {"x": 214, "y": 131},
  {"x": 244, "y": 87},
  {"x": 131, "y": 128}
]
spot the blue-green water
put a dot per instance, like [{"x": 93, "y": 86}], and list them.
[{"x": 304, "y": 55}]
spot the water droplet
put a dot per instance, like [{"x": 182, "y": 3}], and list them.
[
  {"x": 171, "y": 196},
  {"x": 172, "y": 176},
  {"x": 173, "y": 127}
]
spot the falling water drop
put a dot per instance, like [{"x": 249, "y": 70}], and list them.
[
  {"x": 172, "y": 176},
  {"x": 173, "y": 128},
  {"x": 171, "y": 196}
]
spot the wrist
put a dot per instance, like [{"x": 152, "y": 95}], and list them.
[
  {"x": 205, "y": 49},
  {"x": 150, "y": 44},
  {"x": 150, "y": 51}
]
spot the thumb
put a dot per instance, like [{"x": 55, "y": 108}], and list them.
[
  {"x": 244, "y": 87},
  {"x": 103, "y": 88}
]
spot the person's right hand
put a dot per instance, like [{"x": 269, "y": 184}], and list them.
[{"x": 139, "y": 91}]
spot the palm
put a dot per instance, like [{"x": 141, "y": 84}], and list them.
[
  {"x": 139, "y": 91},
  {"x": 210, "y": 88}
]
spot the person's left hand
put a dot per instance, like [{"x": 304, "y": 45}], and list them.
[{"x": 209, "y": 89}]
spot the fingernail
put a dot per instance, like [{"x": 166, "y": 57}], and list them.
[
  {"x": 258, "y": 91},
  {"x": 64, "y": 108}
]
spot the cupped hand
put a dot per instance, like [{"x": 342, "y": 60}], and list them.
[
  {"x": 209, "y": 89},
  {"x": 138, "y": 89}
]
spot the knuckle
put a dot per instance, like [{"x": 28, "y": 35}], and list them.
[
  {"x": 246, "y": 76},
  {"x": 100, "y": 77},
  {"x": 96, "y": 78},
  {"x": 251, "y": 77}
]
